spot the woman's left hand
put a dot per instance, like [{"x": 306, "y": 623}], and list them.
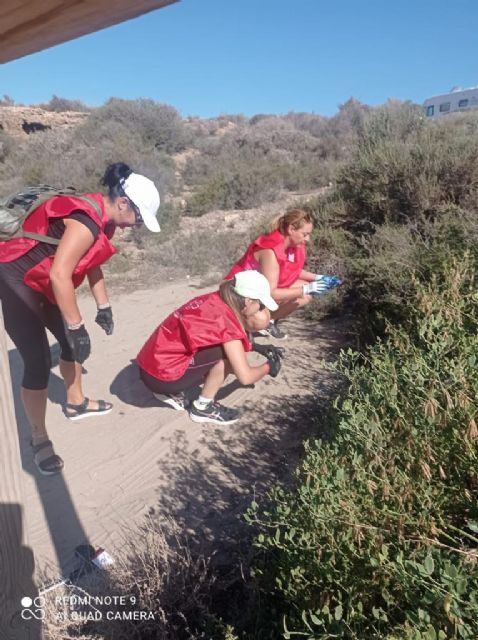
[{"x": 104, "y": 318}]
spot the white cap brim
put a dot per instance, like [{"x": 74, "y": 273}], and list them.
[
  {"x": 150, "y": 222},
  {"x": 254, "y": 285},
  {"x": 144, "y": 195},
  {"x": 269, "y": 303}
]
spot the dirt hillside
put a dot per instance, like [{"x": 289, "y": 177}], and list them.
[{"x": 23, "y": 121}]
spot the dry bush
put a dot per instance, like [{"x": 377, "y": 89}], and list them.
[
  {"x": 252, "y": 162},
  {"x": 6, "y": 145},
  {"x": 157, "y": 574},
  {"x": 64, "y": 104},
  {"x": 158, "y": 125},
  {"x": 7, "y": 101},
  {"x": 404, "y": 167},
  {"x": 79, "y": 157},
  {"x": 199, "y": 253}
]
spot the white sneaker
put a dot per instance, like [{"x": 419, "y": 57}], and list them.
[
  {"x": 176, "y": 402},
  {"x": 273, "y": 331}
]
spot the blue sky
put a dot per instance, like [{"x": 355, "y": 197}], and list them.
[{"x": 210, "y": 57}]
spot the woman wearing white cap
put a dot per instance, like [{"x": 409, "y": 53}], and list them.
[
  {"x": 38, "y": 278},
  {"x": 205, "y": 340}
]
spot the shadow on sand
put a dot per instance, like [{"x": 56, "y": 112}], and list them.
[{"x": 64, "y": 523}]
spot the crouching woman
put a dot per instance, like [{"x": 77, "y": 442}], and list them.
[{"x": 205, "y": 340}]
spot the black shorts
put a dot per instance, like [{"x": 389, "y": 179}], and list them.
[{"x": 200, "y": 365}]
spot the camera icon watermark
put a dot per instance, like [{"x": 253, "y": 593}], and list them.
[{"x": 33, "y": 608}]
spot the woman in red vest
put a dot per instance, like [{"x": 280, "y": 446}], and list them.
[
  {"x": 37, "y": 290},
  {"x": 280, "y": 256},
  {"x": 204, "y": 341}
]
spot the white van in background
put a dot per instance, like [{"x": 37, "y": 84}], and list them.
[{"x": 457, "y": 100}]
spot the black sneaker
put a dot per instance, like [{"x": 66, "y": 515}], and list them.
[
  {"x": 274, "y": 331},
  {"x": 177, "y": 402},
  {"x": 213, "y": 412}
]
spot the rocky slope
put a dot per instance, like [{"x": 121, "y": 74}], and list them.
[{"x": 23, "y": 121}]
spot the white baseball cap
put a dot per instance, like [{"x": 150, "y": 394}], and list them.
[
  {"x": 143, "y": 194},
  {"x": 254, "y": 285}
]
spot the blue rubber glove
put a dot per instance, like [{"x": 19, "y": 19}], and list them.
[
  {"x": 321, "y": 285},
  {"x": 331, "y": 281}
]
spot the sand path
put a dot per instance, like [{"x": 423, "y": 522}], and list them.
[{"x": 144, "y": 458}]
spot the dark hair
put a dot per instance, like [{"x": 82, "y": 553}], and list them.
[{"x": 114, "y": 174}]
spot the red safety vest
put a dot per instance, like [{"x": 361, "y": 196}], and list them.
[
  {"x": 291, "y": 260},
  {"x": 38, "y": 277},
  {"x": 202, "y": 322}
]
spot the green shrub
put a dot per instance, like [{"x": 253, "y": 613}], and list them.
[
  {"x": 378, "y": 539},
  {"x": 405, "y": 200},
  {"x": 404, "y": 167}
]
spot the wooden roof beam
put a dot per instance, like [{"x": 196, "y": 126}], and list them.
[{"x": 27, "y": 26}]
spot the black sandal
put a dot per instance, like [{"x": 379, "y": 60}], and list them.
[
  {"x": 80, "y": 411},
  {"x": 49, "y": 466}
]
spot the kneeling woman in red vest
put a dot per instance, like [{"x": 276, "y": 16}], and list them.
[
  {"x": 204, "y": 341},
  {"x": 37, "y": 290},
  {"x": 280, "y": 256}
]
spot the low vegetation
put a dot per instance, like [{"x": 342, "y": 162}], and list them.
[{"x": 379, "y": 537}]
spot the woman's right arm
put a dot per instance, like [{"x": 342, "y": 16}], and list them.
[
  {"x": 236, "y": 356},
  {"x": 270, "y": 268},
  {"x": 75, "y": 242}
]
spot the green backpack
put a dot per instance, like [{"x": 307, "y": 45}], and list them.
[{"x": 15, "y": 209}]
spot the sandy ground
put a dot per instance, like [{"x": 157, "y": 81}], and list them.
[{"x": 145, "y": 459}]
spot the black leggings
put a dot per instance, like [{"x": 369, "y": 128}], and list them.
[
  {"x": 27, "y": 314},
  {"x": 200, "y": 365}
]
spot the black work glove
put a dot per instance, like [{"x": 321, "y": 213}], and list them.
[
  {"x": 80, "y": 343},
  {"x": 104, "y": 318},
  {"x": 275, "y": 364},
  {"x": 267, "y": 350}
]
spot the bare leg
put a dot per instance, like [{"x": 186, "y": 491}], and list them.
[
  {"x": 71, "y": 374},
  {"x": 34, "y": 402},
  {"x": 215, "y": 379},
  {"x": 289, "y": 307},
  {"x": 286, "y": 308}
]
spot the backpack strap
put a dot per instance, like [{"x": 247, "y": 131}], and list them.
[
  {"x": 48, "y": 239},
  {"x": 40, "y": 237},
  {"x": 93, "y": 204}
]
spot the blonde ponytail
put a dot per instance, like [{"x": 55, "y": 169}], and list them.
[
  {"x": 232, "y": 299},
  {"x": 294, "y": 217}
]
